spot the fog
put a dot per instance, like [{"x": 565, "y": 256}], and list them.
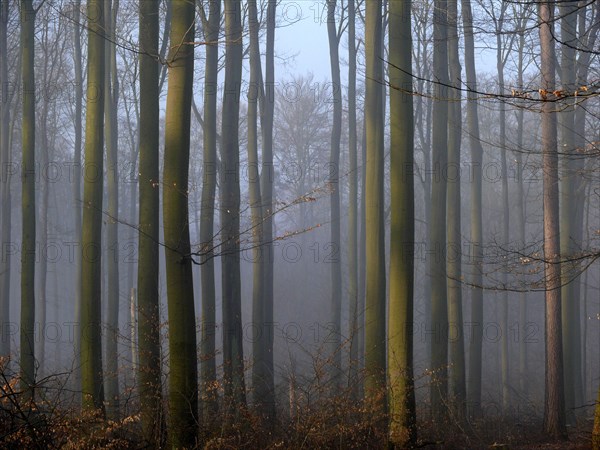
[{"x": 375, "y": 224}]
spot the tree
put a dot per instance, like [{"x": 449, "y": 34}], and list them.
[
  {"x": 111, "y": 97},
  {"x": 183, "y": 379},
  {"x": 570, "y": 236},
  {"x": 402, "y": 429},
  {"x": 77, "y": 202},
  {"x": 454, "y": 258},
  {"x": 476, "y": 339},
  {"x": 267, "y": 179},
  {"x": 375, "y": 300},
  {"x": 260, "y": 373},
  {"x": 554, "y": 412},
  {"x": 209, "y": 186},
  {"x": 233, "y": 359},
  {"x": 334, "y": 168},
  {"x": 5, "y": 158},
  {"x": 437, "y": 237},
  {"x": 28, "y": 197},
  {"x": 353, "y": 294},
  {"x": 91, "y": 236},
  {"x": 149, "y": 371}
]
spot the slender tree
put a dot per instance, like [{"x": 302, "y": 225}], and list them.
[
  {"x": 28, "y": 197},
  {"x": 476, "y": 339},
  {"x": 5, "y": 159},
  {"x": 353, "y": 294},
  {"x": 233, "y": 359},
  {"x": 437, "y": 237},
  {"x": 183, "y": 379},
  {"x": 111, "y": 90},
  {"x": 334, "y": 171},
  {"x": 569, "y": 205},
  {"x": 260, "y": 375},
  {"x": 267, "y": 180},
  {"x": 454, "y": 253},
  {"x": 402, "y": 430},
  {"x": 149, "y": 370},
  {"x": 77, "y": 202},
  {"x": 209, "y": 186},
  {"x": 91, "y": 236},
  {"x": 554, "y": 412}
]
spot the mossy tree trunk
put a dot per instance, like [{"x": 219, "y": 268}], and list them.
[
  {"x": 401, "y": 394},
  {"x": 375, "y": 300},
  {"x": 91, "y": 236},
  {"x": 183, "y": 377},
  {"x": 111, "y": 90}
]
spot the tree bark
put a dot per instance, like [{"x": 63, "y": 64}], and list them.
[
  {"x": 183, "y": 379},
  {"x": 375, "y": 300},
  {"x": 149, "y": 370},
  {"x": 28, "y": 230},
  {"x": 209, "y": 186},
  {"x": 437, "y": 237},
  {"x": 554, "y": 413},
  {"x": 91, "y": 236},
  {"x": 476, "y": 338},
  {"x": 401, "y": 394},
  {"x": 233, "y": 353},
  {"x": 334, "y": 337}
]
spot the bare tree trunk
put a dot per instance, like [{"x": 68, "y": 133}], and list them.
[
  {"x": 233, "y": 353},
  {"x": 437, "y": 237},
  {"x": 401, "y": 393},
  {"x": 91, "y": 238},
  {"x": 334, "y": 337},
  {"x": 183, "y": 379},
  {"x": 354, "y": 329},
  {"x": 148, "y": 316},
  {"x": 554, "y": 412},
  {"x": 375, "y": 300},
  {"x": 454, "y": 252},
  {"x": 5, "y": 161},
  {"x": 209, "y": 186},
  {"x": 111, "y": 90}
]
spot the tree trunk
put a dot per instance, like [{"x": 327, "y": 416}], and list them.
[
  {"x": 27, "y": 359},
  {"x": 5, "y": 160},
  {"x": 354, "y": 329},
  {"x": 149, "y": 371},
  {"x": 375, "y": 300},
  {"x": 437, "y": 237},
  {"x": 500, "y": 63},
  {"x": 554, "y": 413},
  {"x": 267, "y": 182},
  {"x": 233, "y": 353},
  {"x": 569, "y": 244},
  {"x": 476, "y": 337},
  {"x": 521, "y": 214},
  {"x": 91, "y": 236},
  {"x": 209, "y": 186},
  {"x": 401, "y": 393},
  {"x": 111, "y": 88},
  {"x": 77, "y": 202},
  {"x": 334, "y": 338},
  {"x": 183, "y": 380}
]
